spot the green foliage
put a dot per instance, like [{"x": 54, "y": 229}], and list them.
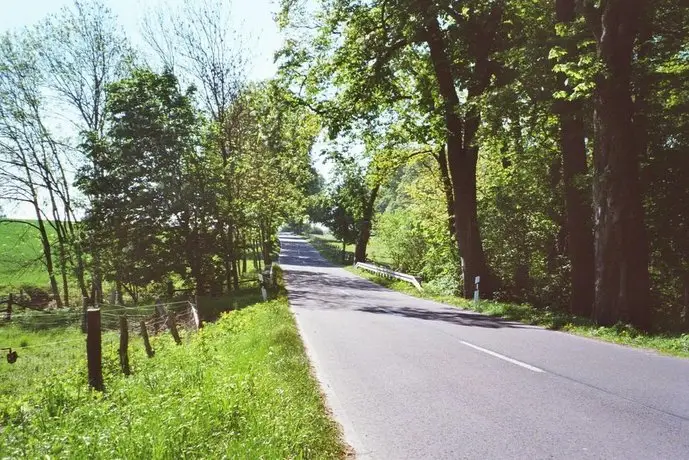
[
  {"x": 414, "y": 217},
  {"x": 138, "y": 176},
  {"x": 239, "y": 388},
  {"x": 341, "y": 210},
  {"x": 401, "y": 233}
]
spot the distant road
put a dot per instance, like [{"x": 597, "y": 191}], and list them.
[{"x": 414, "y": 379}]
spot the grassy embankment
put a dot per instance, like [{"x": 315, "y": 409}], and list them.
[
  {"x": 21, "y": 257},
  {"x": 676, "y": 345},
  {"x": 240, "y": 388}
]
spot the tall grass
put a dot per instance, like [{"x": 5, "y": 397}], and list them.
[{"x": 240, "y": 388}]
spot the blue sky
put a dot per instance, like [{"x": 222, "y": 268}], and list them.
[{"x": 254, "y": 17}]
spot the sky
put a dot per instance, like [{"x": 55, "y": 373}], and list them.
[{"x": 254, "y": 18}]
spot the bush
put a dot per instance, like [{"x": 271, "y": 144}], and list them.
[{"x": 403, "y": 239}]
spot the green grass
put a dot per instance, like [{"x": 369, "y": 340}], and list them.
[
  {"x": 21, "y": 256},
  {"x": 331, "y": 249},
  {"x": 675, "y": 345},
  {"x": 240, "y": 388}
]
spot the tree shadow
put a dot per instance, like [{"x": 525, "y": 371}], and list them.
[
  {"x": 313, "y": 288},
  {"x": 454, "y": 316}
]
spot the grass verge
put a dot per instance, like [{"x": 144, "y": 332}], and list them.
[
  {"x": 331, "y": 249},
  {"x": 328, "y": 248},
  {"x": 240, "y": 388},
  {"x": 675, "y": 345}
]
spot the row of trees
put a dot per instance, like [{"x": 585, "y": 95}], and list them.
[
  {"x": 146, "y": 175},
  {"x": 546, "y": 140}
]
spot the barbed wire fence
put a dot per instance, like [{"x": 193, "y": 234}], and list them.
[
  {"x": 103, "y": 322},
  {"x": 108, "y": 324}
]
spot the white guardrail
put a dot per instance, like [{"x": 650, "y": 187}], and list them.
[{"x": 390, "y": 274}]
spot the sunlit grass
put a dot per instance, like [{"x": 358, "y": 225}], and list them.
[
  {"x": 331, "y": 249},
  {"x": 240, "y": 388},
  {"x": 21, "y": 256}
]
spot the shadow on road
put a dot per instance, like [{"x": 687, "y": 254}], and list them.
[
  {"x": 459, "y": 317},
  {"x": 311, "y": 287}
]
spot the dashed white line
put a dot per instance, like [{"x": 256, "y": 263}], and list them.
[{"x": 503, "y": 357}]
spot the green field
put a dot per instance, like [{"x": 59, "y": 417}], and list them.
[
  {"x": 21, "y": 257},
  {"x": 240, "y": 388}
]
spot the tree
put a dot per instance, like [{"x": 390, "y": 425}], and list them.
[
  {"x": 28, "y": 152},
  {"x": 81, "y": 51},
  {"x": 138, "y": 176},
  {"x": 579, "y": 212},
  {"x": 197, "y": 41},
  {"x": 377, "y": 38},
  {"x": 621, "y": 246}
]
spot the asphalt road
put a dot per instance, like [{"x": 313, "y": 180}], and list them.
[{"x": 414, "y": 379}]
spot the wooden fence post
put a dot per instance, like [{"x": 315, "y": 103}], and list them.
[
  {"x": 172, "y": 324},
  {"x": 147, "y": 342},
  {"x": 170, "y": 289},
  {"x": 93, "y": 349},
  {"x": 8, "y": 313},
  {"x": 161, "y": 312},
  {"x": 124, "y": 343}
]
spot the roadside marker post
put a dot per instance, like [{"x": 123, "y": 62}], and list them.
[{"x": 477, "y": 280}]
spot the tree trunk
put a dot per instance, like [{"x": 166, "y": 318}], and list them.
[
  {"x": 48, "y": 256},
  {"x": 621, "y": 247},
  {"x": 447, "y": 189},
  {"x": 266, "y": 244},
  {"x": 80, "y": 269},
  {"x": 449, "y": 209},
  {"x": 578, "y": 209},
  {"x": 365, "y": 229},
  {"x": 462, "y": 156}
]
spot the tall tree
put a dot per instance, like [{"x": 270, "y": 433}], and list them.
[
  {"x": 27, "y": 150},
  {"x": 579, "y": 213},
  {"x": 198, "y": 42},
  {"x": 374, "y": 63},
  {"x": 138, "y": 177},
  {"x": 621, "y": 246},
  {"x": 82, "y": 50}
]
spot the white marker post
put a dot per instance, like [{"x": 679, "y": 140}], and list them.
[{"x": 477, "y": 280}]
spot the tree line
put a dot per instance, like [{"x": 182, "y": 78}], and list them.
[
  {"x": 150, "y": 169},
  {"x": 539, "y": 144}
]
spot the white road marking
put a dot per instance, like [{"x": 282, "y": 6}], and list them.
[{"x": 503, "y": 357}]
